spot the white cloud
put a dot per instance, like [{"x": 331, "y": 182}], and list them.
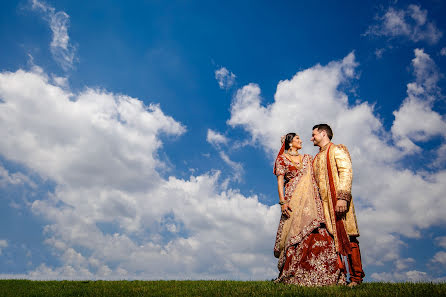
[
  {"x": 225, "y": 78},
  {"x": 215, "y": 138},
  {"x": 379, "y": 52},
  {"x": 440, "y": 257},
  {"x": 3, "y": 244},
  {"x": 402, "y": 264},
  {"x": 101, "y": 151},
  {"x": 61, "y": 48},
  {"x": 412, "y": 276},
  {"x": 411, "y": 23},
  {"x": 294, "y": 101},
  {"x": 12, "y": 276},
  {"x": 61, "y": 81},
  {"x": 443, "y": 51},
  {"x": 387, "y": 205},
  {"x": 60, "y": 137},
  {"x": 441, "y": 241},
  {"x": 236, "y": 167},
  {"x": 223, "y": 233},
  {"x": 13, "y": 179},
  {"x": 418, "y": 105}
]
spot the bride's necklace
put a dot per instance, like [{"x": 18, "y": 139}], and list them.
[{"x": 292, "y": 153}]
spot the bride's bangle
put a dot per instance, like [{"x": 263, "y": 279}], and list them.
[{"x": 282, "y": 202}]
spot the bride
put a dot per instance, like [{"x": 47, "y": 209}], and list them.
[{"x": 305, "y": 249}]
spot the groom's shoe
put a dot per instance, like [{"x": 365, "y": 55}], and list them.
[{"x": 352, "y": 284}]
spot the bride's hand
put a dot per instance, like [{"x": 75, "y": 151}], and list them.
[{"x": 286, "y": 210}]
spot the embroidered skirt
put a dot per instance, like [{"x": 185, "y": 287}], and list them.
[{"x": 313, "y": 262}]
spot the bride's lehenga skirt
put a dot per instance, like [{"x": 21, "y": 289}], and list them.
[
  {"x": 313, "y": 262},
  {"x": 306, "y": 251}
]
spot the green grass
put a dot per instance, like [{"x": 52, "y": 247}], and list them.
[{"x": 207, "y": 288}]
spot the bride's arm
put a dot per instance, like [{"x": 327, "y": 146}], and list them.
[
  {"x": 286, "y": 209},
  {"x": 280, "y": 185}
]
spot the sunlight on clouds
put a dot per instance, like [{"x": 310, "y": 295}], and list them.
[
  {"x": 418, "y": 105},
  {"x": 101, "y": 151},
  {"x": 219, "y": 224},
  {"x": 94, "y": 140},
  {"x": 113, "y": 216},
  {"x": 314, "y": 88}
]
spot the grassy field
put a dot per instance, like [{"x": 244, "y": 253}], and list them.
[{"x": 207, "y": 288}]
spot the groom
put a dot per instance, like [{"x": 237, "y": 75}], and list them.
[{"x": 333, "y": 173}]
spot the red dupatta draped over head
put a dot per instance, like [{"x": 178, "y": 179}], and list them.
[{"x": 282, "y": 149}]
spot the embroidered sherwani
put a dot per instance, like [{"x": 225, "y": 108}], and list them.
[
  {"x": 341, "y": 168},
  {"x": 344, "y": 231}
]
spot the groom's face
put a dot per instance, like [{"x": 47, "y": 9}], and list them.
[{"x": 316, "y": 137}]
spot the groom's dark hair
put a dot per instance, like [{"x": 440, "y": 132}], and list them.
[{"x": 326, "y": 128}]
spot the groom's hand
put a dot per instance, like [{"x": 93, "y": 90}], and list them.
[{"x": 341, "y": 206}]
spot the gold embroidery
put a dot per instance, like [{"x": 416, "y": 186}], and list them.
[
  {"x": 323, "y": 270},
  {"x": 289, "y": 189},
  {"x": 342, "y": 176}
]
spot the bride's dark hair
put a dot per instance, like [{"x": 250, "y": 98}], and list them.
[{"x": 288, "y": 139}]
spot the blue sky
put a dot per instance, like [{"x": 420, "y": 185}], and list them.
[{"x": 138, "y": 139}]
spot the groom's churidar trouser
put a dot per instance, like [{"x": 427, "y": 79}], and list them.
[{"x": 354, "y": 261}]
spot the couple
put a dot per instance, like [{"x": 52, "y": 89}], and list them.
[{"x": 318, "y": 223}]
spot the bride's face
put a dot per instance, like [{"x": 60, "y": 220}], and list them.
[{"x": 297, "y": 142}]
